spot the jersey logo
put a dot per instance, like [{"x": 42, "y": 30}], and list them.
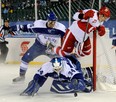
[
  {"x": 49, "y": 30},
  {"x": 41, "y": 72},
  {"x": 94, "y": 21}
]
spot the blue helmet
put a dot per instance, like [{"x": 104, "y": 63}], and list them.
[
  {"x": 52, "y": 17},
  {"x": 57, "y": 64}
]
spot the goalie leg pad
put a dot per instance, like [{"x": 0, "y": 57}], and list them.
[
  {"x": 88, "y": 78},
  {"x": 61, "y": 87},
  {"x": 32, "y": 89}
]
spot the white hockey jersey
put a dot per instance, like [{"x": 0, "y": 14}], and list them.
[
  {"x": 67, "y": 72},
  {"x": 44, "y": 33}
]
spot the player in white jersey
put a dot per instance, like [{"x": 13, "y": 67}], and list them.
[
  {"x": 47, "y": 31},
  {"x": 61, "y": 69},
  {"x": 78, "y": 34}
]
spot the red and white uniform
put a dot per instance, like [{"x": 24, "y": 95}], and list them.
[{"x": 75, "y": 34}]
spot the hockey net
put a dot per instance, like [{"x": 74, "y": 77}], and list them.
[{"x": 102, "y": 60}]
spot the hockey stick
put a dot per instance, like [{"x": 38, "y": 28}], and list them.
[{"x": 88, "y": 21}]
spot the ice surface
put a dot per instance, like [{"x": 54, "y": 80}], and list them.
[{"x": 9, "y": 92}]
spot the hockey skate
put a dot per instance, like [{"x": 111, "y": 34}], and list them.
[{"x": 19, "y": 79}]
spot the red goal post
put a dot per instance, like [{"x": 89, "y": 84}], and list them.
[{"x": 94, "y": 59}]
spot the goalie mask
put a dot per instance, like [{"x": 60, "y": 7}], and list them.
[{"x": 57, "y": 64}]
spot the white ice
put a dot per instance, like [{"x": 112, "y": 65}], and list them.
[{"x": 10, "y": 92}]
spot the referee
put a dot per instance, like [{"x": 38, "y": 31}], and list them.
[{"x": 4, "y": 30}]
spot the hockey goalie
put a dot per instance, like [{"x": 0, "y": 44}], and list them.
[{"x": 67, "y": 75}]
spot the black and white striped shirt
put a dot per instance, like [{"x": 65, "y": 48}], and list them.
[{"x": 5, "y": 31}]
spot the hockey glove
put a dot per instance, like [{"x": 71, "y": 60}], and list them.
[
  {"x": 32, "y": 89},
  {"x": 5, "y": 42},
  {"x": 49, "y": 45},
  {"x": 88, "y": 14},
  {"x": 101, "y": 30}
]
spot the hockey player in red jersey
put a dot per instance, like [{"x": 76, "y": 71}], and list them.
[{"x": 86, "y": 21}]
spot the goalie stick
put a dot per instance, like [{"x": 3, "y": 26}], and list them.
[{"x": 75, "y": 92}]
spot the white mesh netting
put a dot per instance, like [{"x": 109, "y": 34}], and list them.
[{"x": 106, "y": 64}]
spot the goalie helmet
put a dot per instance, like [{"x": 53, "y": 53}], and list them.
[
  {"x": 105, "y": 11},
  {"x": 57, "y": 64},
  {"x": 52, "y": 17}
]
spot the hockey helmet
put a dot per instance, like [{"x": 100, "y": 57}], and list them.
[
  {"x": 105, "y": 11},
  {"x": 52, "y": 17},
  {"x": 57, "y": 64},
  {"x": 6, "y": 20}
]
